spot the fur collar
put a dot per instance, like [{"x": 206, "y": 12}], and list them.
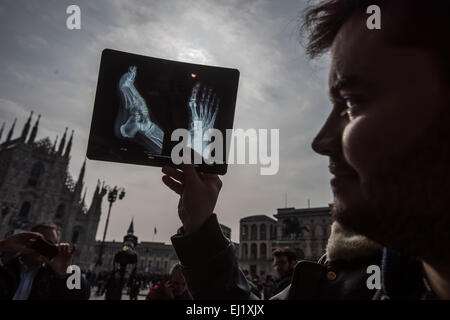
[{"x": 346, "y": 245}]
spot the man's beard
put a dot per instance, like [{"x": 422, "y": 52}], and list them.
[{"x": 407, "y": 206}]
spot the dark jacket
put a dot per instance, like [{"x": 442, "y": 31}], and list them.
[
  {"x": 46, "y": 284},
  {"x": 211, "y": 271},
  {"x": 283, "y": 282}
]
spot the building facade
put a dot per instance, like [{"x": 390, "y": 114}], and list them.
[
  {"x": 305, "y": 230},
  {"x": 36, "y": 186},
  {"x": 154, "y": 257}
]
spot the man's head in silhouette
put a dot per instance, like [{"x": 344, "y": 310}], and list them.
[{"x": 387, "y": 136}]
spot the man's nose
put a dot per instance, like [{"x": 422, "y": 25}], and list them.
[{"x": 328, "y": 141}]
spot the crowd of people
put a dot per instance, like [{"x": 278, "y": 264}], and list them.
[{"x": 25, "y": 274}]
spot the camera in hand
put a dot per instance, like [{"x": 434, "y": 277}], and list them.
[{"x": 45, "y": 248}]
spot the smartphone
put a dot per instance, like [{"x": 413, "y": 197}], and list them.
[{"x": 45, "y": 248}]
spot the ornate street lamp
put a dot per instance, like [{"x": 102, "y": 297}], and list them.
[{"x": 112, "y": 197}]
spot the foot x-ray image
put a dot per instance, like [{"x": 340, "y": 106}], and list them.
[
  {"x": 135, "y": 111},
  {"x": 203, "y": 106},
  {"x": 141, "y": 100}
]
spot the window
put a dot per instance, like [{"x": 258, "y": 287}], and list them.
[
  {"x": 253, "y": 232},
  {"x": 262, "y": 232},
  {"x": 263, "y": 250},
  {"x": 272, "y": 232},
  {"x": 245, "y": 251},
  {"x": 25, "y": 209},
  {"x": 36, "y": 173},
  {"x": 253, "y": 251},
  {"x": 60, "y": 211},
  {"x": 244, "y": 233},
  {"x": 75, "y": 236},
  {"x": 5, "y": 211}
]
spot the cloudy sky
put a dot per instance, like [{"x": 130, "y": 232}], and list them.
[{"x": 52, "y": 70}]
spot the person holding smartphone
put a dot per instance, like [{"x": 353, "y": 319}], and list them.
[{"x": 30, "y": 275}]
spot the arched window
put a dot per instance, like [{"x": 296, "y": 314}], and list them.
[
  {"x": 253, "y": 249},
  {"x": 75, "y": 236},
  {"x": 245, "y": 251},
  {"x": 244, "y": 234},
  {"x": 318, "y": 231},
  {"x": 5, "y": 211},
  {"x": 263, "y": 250},
  {"x": 273, "y": 232},
  {"x": 60, "y": 211},
  {"x": 262, "y": 232},
  {"x": 25, "y": 209},
  {"x": 36, "y": 173},
  {"x": 253, "y": 232}
]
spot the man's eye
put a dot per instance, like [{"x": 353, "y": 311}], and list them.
[{"x": 350, "y": 104}]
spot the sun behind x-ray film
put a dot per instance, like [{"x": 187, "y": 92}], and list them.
[{"x": 141, "y": 100}]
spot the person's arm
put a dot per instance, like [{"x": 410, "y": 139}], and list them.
[
  {"x": 209, "y": 263},
  {"x": 20, "y": 242},
  {"x": 208, "y": 259}
]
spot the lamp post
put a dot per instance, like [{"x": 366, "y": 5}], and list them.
[{"x": 112, "y": 197}]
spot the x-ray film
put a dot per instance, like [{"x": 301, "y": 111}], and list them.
[{"x": 140, "y": 102}]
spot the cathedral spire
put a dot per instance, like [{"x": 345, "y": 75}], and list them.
[
  {"x": 79, "y": 184},
  {"x": 1, "y": 130},
  {"x": 54, "y": 145},
  {"x": 34, "y": 131},
  {"x": 82, "y": 171},
  {"x": 131, "y": 227},
  {"x": 26, "y": 128},
  {"x": 62, "y": 143},
  {"x": 83, "y": 200},
  {"x": 11, "y": 131},
  {"x": 96, "y": 202},
  {"x": 69, "y": 146}
]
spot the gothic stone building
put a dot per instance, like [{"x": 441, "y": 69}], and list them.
[
  {"x": 36, "y": 186},
  {"x": 305, "y": 230}
]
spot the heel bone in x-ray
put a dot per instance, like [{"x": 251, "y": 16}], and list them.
[{"x": 137, "y": 116}]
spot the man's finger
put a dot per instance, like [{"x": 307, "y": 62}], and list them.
[
  {"x": 190, "y": 174},
  {"x": 173, "y": 173},
  {"x": 172, "y": 184}
]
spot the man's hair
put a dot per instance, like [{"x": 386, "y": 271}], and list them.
[
  {"x": 287, "y": 252},
  {"x": 46, "y": 225},
  {"x": 424, "y": 24}
]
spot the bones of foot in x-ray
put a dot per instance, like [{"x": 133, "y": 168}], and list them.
[
  {"x": 203, "y": 105},
  {"x": 139, "y": 118}
]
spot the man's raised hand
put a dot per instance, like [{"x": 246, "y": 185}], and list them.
[
  {"x": 198, "y": 194},
  {"x": 20, "y": 242}
]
